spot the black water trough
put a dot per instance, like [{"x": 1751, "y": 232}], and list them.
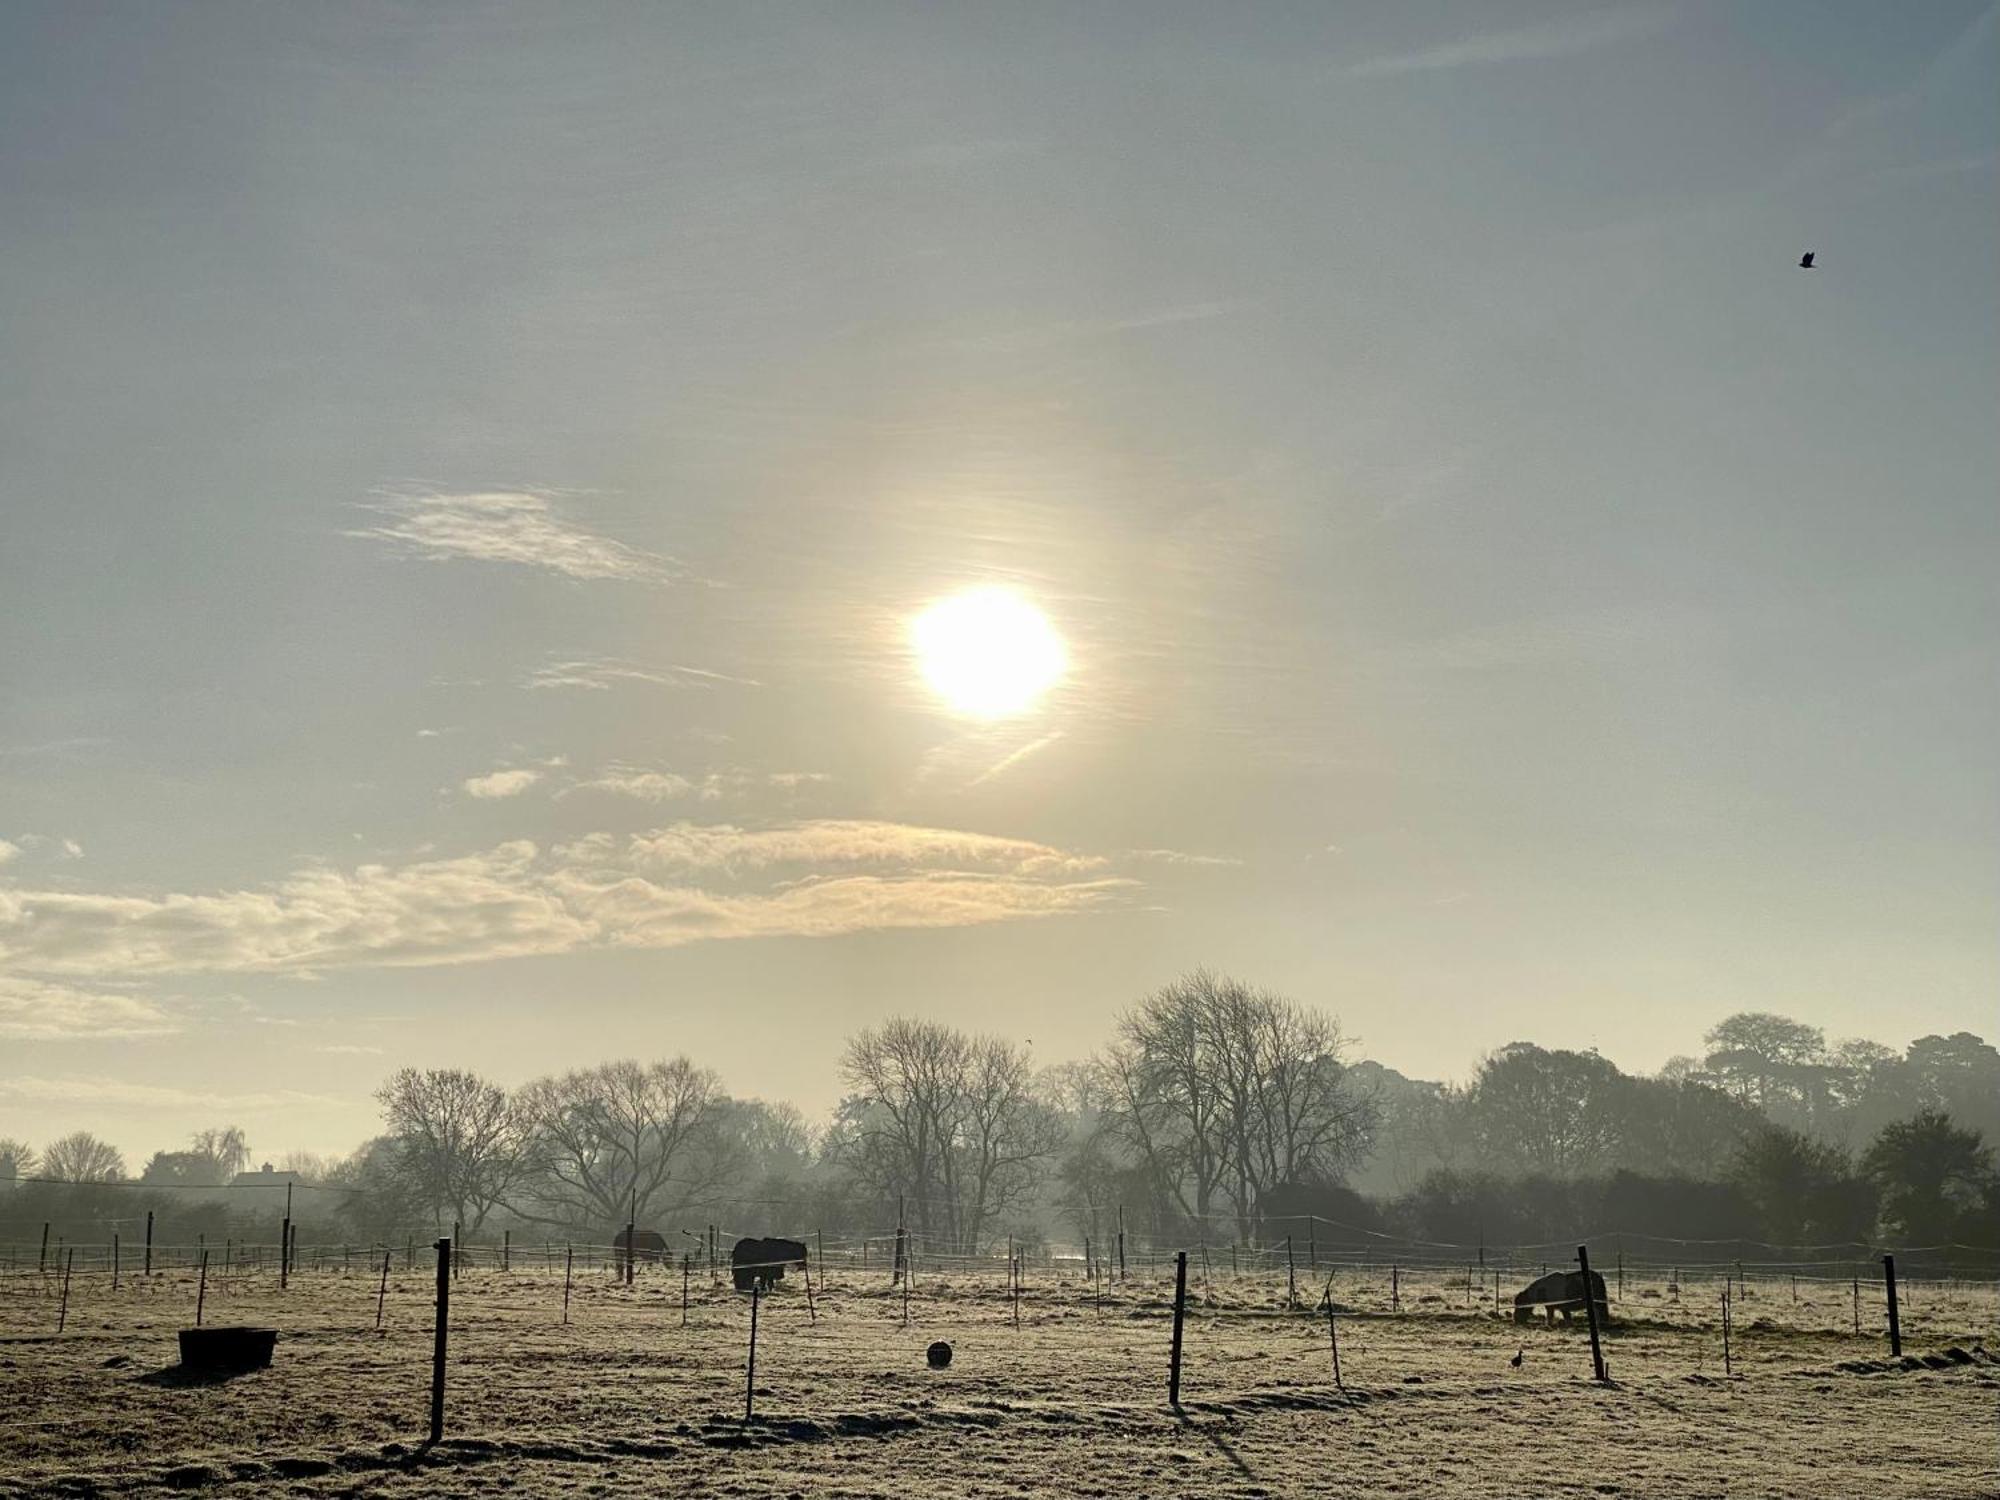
[{"x": 226, "y": 1350}]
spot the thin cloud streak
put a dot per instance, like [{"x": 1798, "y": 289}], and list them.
[
  {"x": 602, "y": 673},
  {"x": 112, "y": 1093},
  {"x": 647, "y": 784},
  {"x": 523, "y": 527},
  {"x": 1013, "y": 758},
  {"x": 34, "y": 1010},
  {"x": 683, "y": 884},
  {"x": 1182, "y": 857},
  {"x": 1566, "y": 38}
]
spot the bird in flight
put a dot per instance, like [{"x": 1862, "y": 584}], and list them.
[{"x": 1806, "y": 262}]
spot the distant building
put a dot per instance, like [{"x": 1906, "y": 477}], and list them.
[{"x": 265, "y": 1177}]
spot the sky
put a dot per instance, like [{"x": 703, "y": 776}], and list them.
[{"x": 468, "y": 474}]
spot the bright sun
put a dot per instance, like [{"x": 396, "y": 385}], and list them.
[{"x": 988, "y": 653}]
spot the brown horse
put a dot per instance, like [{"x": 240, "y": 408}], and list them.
[
  {"x": 1560, "y": 1292},
  {"x": 755, "y": 1261},
  {"x": 647, "y": 1244}
]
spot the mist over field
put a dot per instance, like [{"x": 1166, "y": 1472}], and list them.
[{"x": 1217, "y": 1111}]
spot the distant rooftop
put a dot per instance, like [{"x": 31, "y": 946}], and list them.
[{"x": 264, "y": 1177}]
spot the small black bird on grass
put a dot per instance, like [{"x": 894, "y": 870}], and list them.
[
  {"x": 1516, "y": 1360},
  {"x": 1806, "y": 262}
]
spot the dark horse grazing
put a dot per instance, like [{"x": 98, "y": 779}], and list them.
[
  {"x": 647, "y": 1245},
  {"x": 755, "y": 1261},
  {"x": 1560, "y": 1292}
]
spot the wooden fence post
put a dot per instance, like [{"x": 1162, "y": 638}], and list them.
[
  {"x": 114, "y": 1260},
  {"x": 62, "y": 1314},
  {"x": 1726, "y": 1370},
  {"x": 1395, "y": 1288},
  {"x": 42, "y": 1264},
  {"x": 1180, "y": 1311},
  {"x": 1895, "y": 1322},
  {"x": 569, "y": 1269},
  {"x": 1333, "y": 1338},
  {"x": 201, "y": 1292},
  {"x": 446, "y": 1260},
  {"x": 1291, "y": 1277},
  {"x": 149, "y": 1242},
  {"x": 1590, "y": 1308},
  {"x": 750, "y": 1379},
  {"x": 1121, "y": 1242}
]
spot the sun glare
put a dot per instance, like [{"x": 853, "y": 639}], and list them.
[{"x": 989, "y": 653}]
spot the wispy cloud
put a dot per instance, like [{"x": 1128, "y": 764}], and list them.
[
  {"x": 116, "y": 1094},
  {"x": 497, "y": 784},
  {"x": 34, "y": 1010},
  {"x": 1554, "y": 39},
  {"x": 1013, "y": 758},
  {"x": 1182, "y": 857},
  {"x": 635, "y": 781},
  {"x": 524, "y": 527},
  {"x": 837, "y": 841},
  {"x": 349, "y": 1049},
  {"x": 672, "y": 886},
  {"x": 1016, "y": 337},
  {"x": 647, "y": 784},
  {"x": 601, "y": 673},
  {"x": 39, "y": 843}
]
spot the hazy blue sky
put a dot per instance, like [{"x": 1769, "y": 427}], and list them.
[{"x": 465, "y": 475}]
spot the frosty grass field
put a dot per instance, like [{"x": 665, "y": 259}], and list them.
[{"x": 624, "y": 1400}]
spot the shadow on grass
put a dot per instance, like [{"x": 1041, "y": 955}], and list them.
[
  {"x": 1216, "y": 1441},
  {"x": 179, "y": 1377}
]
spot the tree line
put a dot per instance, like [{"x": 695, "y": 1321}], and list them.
[{"x": 1218, "y": 1111}]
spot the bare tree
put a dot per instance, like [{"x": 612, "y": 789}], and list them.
[
  {"x": 1165, "y": 1106},
  {"x": 950, "y": 1121},
  {"x": 1007, "y": 1137},
  {"x": 227, "y": 1147},
  {"x": 17, "y": 1160},
  {"x": 1226, "y": 1093},
  {"x": 82, "y": 1157},
  {"x": 621, "y": 1139},
  {"x": 460, "y": 1139},
  {"x": 909, "y": 1079}
]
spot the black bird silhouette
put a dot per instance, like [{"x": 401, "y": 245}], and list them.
[
  {"x": 1516, "y": 1360},
  {"x": 1805, "y": 262}
]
